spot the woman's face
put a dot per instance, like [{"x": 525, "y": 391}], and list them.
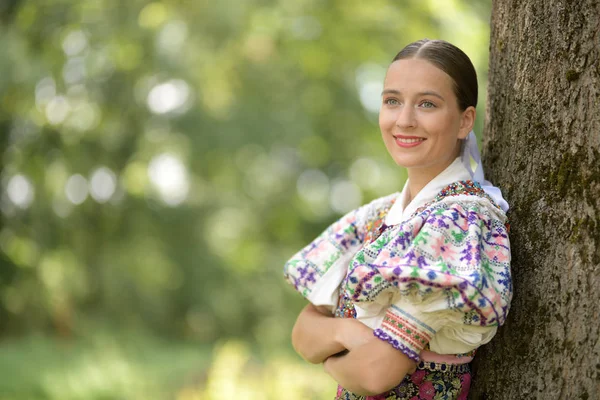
[{"x": 420, "y": 119}]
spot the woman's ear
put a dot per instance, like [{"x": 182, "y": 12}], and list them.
[{"x": 467, "y": 121}]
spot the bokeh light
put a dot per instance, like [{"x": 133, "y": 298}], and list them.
[
  {"x": 169, "y": 97},
  {"x": 20, "y": 191},
  {"x": 57, "y": 110},
  {"x": 76, "y": 189},
  {"x": 103, "y": 184},
  {"x": 170, "y": 177},
  {"x": 161, "y": 161},
  {"x": 369, "y": 81},
  {"x": 345, "y": 196}
]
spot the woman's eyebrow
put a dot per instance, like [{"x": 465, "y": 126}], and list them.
[
  {"x": 390, "y": 91},
  {"x": 426, "y": 93},
  {"x": 431, "y": 93}
]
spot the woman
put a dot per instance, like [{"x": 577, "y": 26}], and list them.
[{"x": 403, "y": 290}]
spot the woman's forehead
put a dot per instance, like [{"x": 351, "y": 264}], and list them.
[{"x": 416, "y": 74}]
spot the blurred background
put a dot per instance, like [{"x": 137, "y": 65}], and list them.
[{"x": 160, "y": 163}]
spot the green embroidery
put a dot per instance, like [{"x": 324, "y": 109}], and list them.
[
  {"x": 360, "y": 257},
  {"x": 334, "y": 257},
  {"x": 380, "y": 243},
  {"x": 459, "y": 237},
  {"x": 421, "y": 238},
  {"x": 445, "y": 267},
  {"x": 487, "y": 268}
]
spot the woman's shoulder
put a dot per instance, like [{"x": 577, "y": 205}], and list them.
[{"x": 464, "y": 197}]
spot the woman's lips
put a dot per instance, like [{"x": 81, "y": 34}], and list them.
[{"x": 408, "y": 141}]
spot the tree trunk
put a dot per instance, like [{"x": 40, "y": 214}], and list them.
[{"x": 542, "y": 147}]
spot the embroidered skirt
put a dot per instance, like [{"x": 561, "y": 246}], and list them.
[{"x": 430, "y": 381}]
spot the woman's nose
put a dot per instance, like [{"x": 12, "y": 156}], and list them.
[{"x": 406, "y": 117}]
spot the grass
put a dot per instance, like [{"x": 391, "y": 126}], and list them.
[
  {"x": 97, "y": 367},
  {"x": 107, "y": 366}
]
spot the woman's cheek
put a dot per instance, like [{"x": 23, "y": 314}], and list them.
[{"x": 386, "y": 119}]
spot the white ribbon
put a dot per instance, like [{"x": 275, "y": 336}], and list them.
[{"x": 470, "y": 150}]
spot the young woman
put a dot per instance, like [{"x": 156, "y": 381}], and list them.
[{"x": 403, "y": 290}]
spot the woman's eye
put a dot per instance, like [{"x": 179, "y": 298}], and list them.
[
  {"x": 391, "y": 102},
  {"x": 427, "y": 104}
]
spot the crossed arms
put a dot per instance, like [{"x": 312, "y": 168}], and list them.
[{"x": 350, "y": 353}]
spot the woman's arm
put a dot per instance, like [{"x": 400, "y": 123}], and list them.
[
  {"x": 371, "y": 368},
  {"x": 318, "y": 335},
  {"x": 314, "y": 335}
]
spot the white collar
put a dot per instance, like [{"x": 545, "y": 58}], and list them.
[{"x": 401, "y": 210}]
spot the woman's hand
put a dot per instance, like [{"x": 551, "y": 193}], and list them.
[
  {"x": 351, "y": 333},
  {"x": 371, "y": 368},
  {"x": 316, "y": 335}
]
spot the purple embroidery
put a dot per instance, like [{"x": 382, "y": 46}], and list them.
[
  {"x": 462, "y": 250},
  {"x": 410, "y": 353}
]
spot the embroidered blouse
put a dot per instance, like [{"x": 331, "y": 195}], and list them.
[{"x": 435, "y": 271}]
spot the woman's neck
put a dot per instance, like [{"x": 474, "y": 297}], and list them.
[{"x": 418, "y": 178}]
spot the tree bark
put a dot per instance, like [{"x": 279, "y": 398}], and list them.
[{"x": 542, "y": 147}]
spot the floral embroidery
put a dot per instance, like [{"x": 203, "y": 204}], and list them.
[
  {"x": 313, "y": 261},
  {"x": 476, "y": 276},
  {"x": 459, "y": 247},
  {"x": 343, "y": 237}
]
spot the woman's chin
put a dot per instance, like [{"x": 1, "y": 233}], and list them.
[{"x": 406, "y": 162}]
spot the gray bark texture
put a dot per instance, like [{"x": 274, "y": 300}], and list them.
[{"x": 542, "y": 147}]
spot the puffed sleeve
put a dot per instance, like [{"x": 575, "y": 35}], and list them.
[
  {"x": 442, "y": 277},
  {"x": 318, "y": 269}
]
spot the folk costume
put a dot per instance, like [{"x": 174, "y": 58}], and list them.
[{"x": 431, "y": 276}]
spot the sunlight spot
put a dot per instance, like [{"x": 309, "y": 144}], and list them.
[
  {"x": 345, "y": 196},
  {"x": 313, "y": 186},
  {"x": 172, "y": 37},
  {"x": 74, "y": 43},
  {"x": 103, "y": 184},
  {"x": 169, "y": 176},
  {"x": 170, "y": 96},
  {"x": 20, "y": 191},
  {"x": 57, "y": 110},
  {"x": 74, "y": 70},
  {"x": 45, "y": 90},
  {"x": 76, "y": 189},
  {"x": 369, "y": 81},
  {"x": 84, "y": 117},
  {"x": 366, "y": 173}
]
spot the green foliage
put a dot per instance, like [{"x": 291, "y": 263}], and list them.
[
  {"x": 161, "y": 160},
  {"x": 126, "y": 365},
  {"x": 100, "y": 366}
]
